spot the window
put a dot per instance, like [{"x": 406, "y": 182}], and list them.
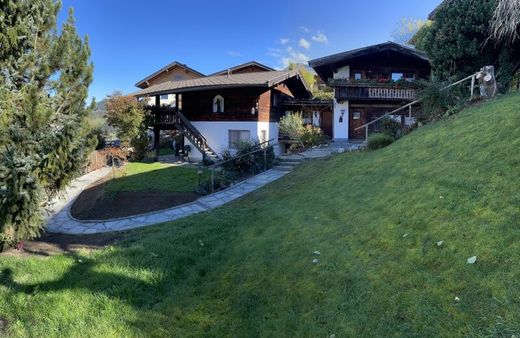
[
  {"x": 164, "y": 97},
  {"x": 397, "y": 76},
  {"x": 274, "y": 97},
  {"x": 356, "y": 115},
  {"x": 236, "y": 136},
  {"x": 357, "y": 76},
  {"x": 409, "y": 77},
  {"x": 218, "y": 104}
]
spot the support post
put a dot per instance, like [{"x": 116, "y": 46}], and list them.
[
  {"x": 410, "y": 115},
  {"x": 472, "y": 86},
  {"x": 366, "y": 133},
  {"x": 156, "y": 141},
  {"x": 157, "y": 100},
  {"x": 265, "y": 158}
]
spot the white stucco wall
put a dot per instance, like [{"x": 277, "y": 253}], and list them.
[
  {"x": 217, "y": 134},
  {"x": 340, "y": 131},
  {"x": 342, "y": 73}
]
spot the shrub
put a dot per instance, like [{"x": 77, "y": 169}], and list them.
[
  {"x": 291, "y": 126},
  {"x": 377, "y": 141},
  {"x": 312, "y": 136},
  {"x": 437, "y": 103},
  {"x": 390, "y": 127}
]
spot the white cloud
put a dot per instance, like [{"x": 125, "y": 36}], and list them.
[
  {"x": 284, "y": 41},
  {"x": 320, "y": 37},
  {"x": 305, "y": 29},
  {"x": 294, "y": 57},
  {"x": 235, "y": 54},
  {"x": 289, "y": 49},
  {"x": 304, "y": 43}
]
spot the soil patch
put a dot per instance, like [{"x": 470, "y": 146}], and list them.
[
  {"x": 54, "y": 244},
  {"x": 94, "y": 204}
]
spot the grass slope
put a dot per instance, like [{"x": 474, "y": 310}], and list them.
[{"x": 246, "y": 269}]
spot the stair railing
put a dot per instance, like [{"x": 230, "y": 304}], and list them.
[
  {"x": 472, "y": 77},
  {"x": 261, "y": 147},
  {"x": 193, "y": 134}
]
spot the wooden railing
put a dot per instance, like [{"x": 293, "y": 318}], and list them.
[
  {"x": 363, "y": 92},
  {"x": 408, "y": 106}
]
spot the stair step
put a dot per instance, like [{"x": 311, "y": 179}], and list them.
[
  {"x": 283, "y": 168},
  {"x": 292, "y": 163}
]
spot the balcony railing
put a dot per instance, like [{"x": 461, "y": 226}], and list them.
[{"x": 374, "y": 89}]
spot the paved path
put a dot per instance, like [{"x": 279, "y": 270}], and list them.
[{"x": 60, "y": 221}]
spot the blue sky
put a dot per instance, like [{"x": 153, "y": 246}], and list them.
[{"x": 131, "y": 39}]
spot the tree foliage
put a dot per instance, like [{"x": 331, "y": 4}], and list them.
[
  {"x": 505, "y": 26},
  {"x": 126, "y": 115},
  {"x": 458, "y": 42},
  {"x": 407, "y": 29},
  {"x": 43, "y": 130}
]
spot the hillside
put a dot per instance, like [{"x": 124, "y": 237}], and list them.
[{"x": 246, "y": 270}]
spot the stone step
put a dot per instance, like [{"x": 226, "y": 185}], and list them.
[
  {"x": 283, "y": 167},
  {"x": 291, "y": 163}
]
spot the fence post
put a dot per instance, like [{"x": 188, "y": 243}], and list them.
[
  {"x": 410, "y": 115},
  {"x": 472, "y": 86},
  {"x": 265, "y": 160},
  {"x": 212, "y": 178},
  {"x": 366, "y": 133}
]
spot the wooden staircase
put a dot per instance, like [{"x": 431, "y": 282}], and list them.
[{"x": 194, "y": 136}]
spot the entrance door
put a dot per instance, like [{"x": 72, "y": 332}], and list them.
[
  {"x": 326, "y": 122},
  {"x": 357, "y": 118}
]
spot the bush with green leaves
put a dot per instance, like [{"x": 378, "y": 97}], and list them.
[
  {"x": 390, "y": 127},
  {"x": 293, "y": 128},
  {"x": 44, "y": 133},
  {"x": 312, "y": 136},
  {"x": 438, "y": 102},
  {"x": 379, "y": 140}
]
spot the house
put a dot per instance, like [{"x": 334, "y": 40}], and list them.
[
  {"x": 248, "y": 67},
  {"x": 215, "y": 112},
  {"x": 174, "y": 71},
  {"x": 370, "y": 82}
]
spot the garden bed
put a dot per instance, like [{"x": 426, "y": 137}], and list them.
[{"x": 136, "y": 189}]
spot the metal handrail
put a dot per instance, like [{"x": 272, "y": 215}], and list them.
[
  {"x": 414, "y": 102},
  {"x": 243, "y": 155}
]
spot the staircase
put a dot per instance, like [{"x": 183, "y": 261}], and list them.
[
  {"x": 288, "y": 163},
  {"x": 194, "y": 136}
]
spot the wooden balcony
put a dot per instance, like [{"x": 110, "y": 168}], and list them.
[
  {"x": 374, "y": 90},
  {"x": 375, "y": 93}
]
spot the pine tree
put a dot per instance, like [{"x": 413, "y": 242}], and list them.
[{"x": 44, "y": 140}]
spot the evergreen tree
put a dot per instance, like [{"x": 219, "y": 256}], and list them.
[{"x": 44, "y": 82}]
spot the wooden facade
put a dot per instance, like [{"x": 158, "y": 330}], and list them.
[{"x": 372, "y": 81}]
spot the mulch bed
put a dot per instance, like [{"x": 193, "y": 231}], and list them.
[{"x": 93, "y": 204}]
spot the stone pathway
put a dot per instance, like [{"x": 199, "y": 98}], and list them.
[{"x": 60, "y": 220}]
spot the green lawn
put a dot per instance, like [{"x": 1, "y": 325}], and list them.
[
  {"x": 137, "y": 176},
  {"x": 245, "y": 270}
]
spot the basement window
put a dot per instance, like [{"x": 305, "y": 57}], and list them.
[{"x": 237, "y": 136}]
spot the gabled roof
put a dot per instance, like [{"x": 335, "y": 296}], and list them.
[
  {"x": 355, "y": 53},
  {"x": 144, "y": 81},
  {"x": 257, "y": 79},
  {"x": 325, "y": 66},
  {"x": 244, "y": 65}
]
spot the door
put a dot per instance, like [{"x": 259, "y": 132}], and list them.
[
  {"x": 326, "y": 122},
  {"x": 357, "y": 118}
]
